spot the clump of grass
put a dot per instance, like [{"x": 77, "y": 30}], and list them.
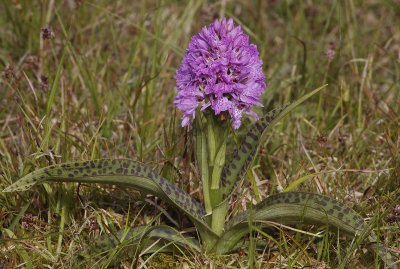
[{"x": 100, "y": 85}]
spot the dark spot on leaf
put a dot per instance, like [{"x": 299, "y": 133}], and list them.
[
  {"x": 321, "y": 202},
  {"x": 247, "y": 145},
  {"x": 252, "y": 136},
  {"x": 259, "y": 126},
  {"x": 168, "y": 190}
]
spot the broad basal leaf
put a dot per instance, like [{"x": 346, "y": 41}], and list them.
[
  {"x": 298, "y": 208},
  {"x": 138, "y": 240},
  {"x": 121, "y": 172},
  {"x": 235, "y": 169},
  {"x": 140, "y": 233}
]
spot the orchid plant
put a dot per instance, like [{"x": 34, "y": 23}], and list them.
[{"x": 218, "y": 82}]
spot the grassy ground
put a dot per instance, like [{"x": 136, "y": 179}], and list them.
[{"x": 94, "y": 79}]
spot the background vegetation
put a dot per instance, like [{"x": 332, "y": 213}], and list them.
[{"x": 95, "y": 79}]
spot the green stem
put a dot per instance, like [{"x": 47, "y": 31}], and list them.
[
  {"x": 62, "y": 225},
  {"x": 218, "y": 218},
  {"x": 211, "y": 135},
  {"x": 217, "y": 133},
  {"x": 218, "y": 165}
]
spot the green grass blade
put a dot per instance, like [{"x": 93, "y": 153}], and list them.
[
  {"x": 237, "y": 167},
  {"x": 88, "y": 80},
  {"x": 301, "y": 208},
  {"x": 299, "y": 181},
  {"x": 121, "y": 172}
]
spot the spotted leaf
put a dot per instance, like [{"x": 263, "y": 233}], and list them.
[
  {"x": 298, "y": 208},
  {"x": 121, "y": 172},
  {"x": 137, "y": 241},
  {"x": 236, "y": 168}
]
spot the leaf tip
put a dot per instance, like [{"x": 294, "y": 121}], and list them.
[
  {"x": 17, "y": 187},
  {"x": 8, "y": 189}
]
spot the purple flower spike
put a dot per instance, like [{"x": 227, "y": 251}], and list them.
[{"x": 221, "y": 71}]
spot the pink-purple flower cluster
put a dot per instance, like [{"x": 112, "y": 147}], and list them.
[{"x": 221, "y": 71}]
